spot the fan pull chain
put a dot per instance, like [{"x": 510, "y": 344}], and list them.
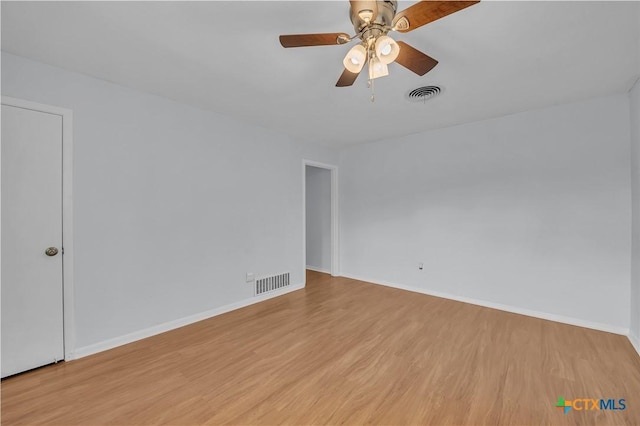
[
  {"x": 373, "y": 95},
  {"x": 370, "y": 81}
]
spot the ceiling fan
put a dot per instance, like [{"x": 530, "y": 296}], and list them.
[{"x": 372, "y": 21}]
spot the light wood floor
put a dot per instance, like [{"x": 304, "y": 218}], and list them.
[{"x": 341, "y": 352}]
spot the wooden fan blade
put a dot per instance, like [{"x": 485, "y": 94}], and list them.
[
  {"x": 427, "y": 11},
  {"x": 347, "y": 78},
  {"x": 358, "y": 6},
  {"x": 301, "y": 40},
  {"x": 414, "y": 60}
]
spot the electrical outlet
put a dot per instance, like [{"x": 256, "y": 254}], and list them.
[
  {"x": 250, "y": 277},
  {"x": 420, "y": 266}
]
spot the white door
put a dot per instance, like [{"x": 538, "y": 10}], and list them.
[{"x": 32, "y": 294}]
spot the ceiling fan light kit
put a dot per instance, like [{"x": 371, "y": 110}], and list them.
[
  {"x": 377, "y": 69},
  {"x": 355, "y": 59},
  {"x": 372, "y": 21},
  {"x": 387, "y": 49}
]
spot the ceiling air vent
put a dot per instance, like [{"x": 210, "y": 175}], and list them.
[{"x": 423, "y": 94}]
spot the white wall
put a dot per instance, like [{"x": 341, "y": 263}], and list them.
[
  {"x": 318, "y": 220},
  {"x": 530, "y": 211},
  {"x": 634, "y": 96},
  {"x": 172, "y": 204}
]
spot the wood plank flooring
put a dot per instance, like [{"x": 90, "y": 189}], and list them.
[{"x": 341, "y": 352}]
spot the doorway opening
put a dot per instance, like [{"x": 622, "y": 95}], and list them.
[{"x": 320, "y": 213}]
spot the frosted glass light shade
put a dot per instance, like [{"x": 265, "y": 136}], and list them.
[
  {"x": 377, "y": 68},
  {"x": 387, "y": 49},
  {"x": 366, "y": 15},
  {"x": 355, "y": 59}
]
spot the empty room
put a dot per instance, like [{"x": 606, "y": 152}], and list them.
[{"x": 320, "y": 212}]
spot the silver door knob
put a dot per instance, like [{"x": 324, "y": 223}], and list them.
[{"x": 51, "y": 251}]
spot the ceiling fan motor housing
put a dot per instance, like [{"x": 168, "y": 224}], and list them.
[{"x": 381, "y": 25}]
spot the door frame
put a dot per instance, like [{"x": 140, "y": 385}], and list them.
[
  {"x": 67, "y": 215},
  {"x": 335, "y": 225}
]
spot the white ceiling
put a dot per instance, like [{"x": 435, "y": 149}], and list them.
[{"x": 496, "y": 58}]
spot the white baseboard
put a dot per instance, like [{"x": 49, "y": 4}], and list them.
[
  {"x": 171, "y": 325},
  {"x": 313, "y": 268},
  {"x": 530, "y": 313},
  {"x": 635, "y": 341}
]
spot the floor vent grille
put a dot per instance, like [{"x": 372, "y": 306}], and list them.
[{"x": 274, "y": 282}]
